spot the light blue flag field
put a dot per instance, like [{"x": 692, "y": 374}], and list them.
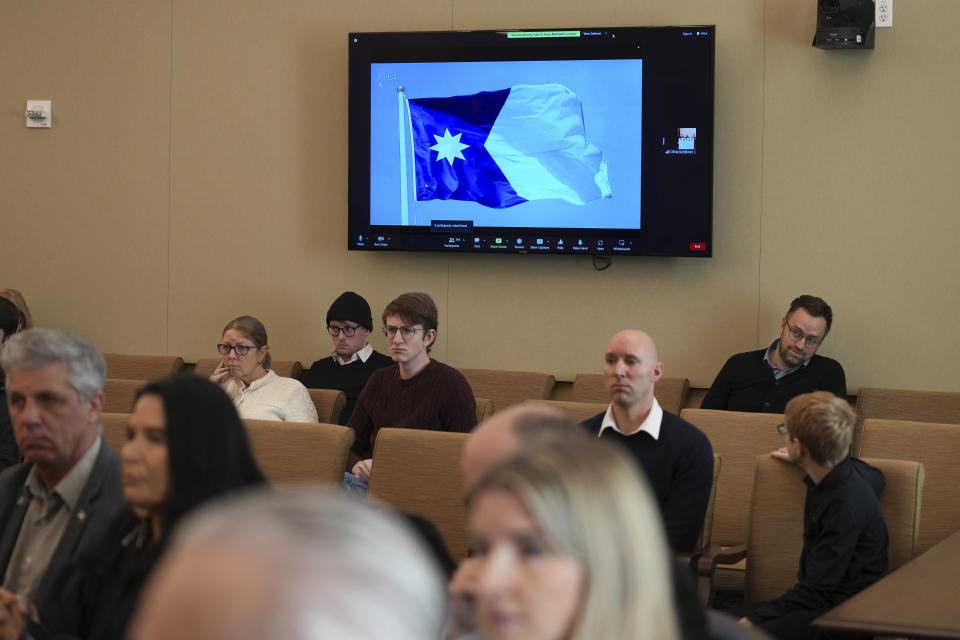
[{"x": 502, "y": 148}]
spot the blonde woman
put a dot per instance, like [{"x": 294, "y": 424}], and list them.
[{"x": 568, "y": 545}]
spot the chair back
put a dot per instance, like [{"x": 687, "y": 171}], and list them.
[
  {"x": 283, "y": 368},
  {"x": 578, "y": 411},
  {"x": 329, "y": 404},
  {"x": 671, "y": 393},
  {"x": 738, "y": 438},
  {"x": 703, "y": 542},
  {"x": 119, "y": 394},
  {"x": 775, "y": 528},
  {"x": 775, "y": 537},
  {"x": 904, "y": 404},
  {"x": 484, "y": 408},
  {"x": 902, "y": 503},
  {"x": 418, "y": 472},
  {"x": 508, "y": 388},
  {"x": 936, "y": 446},
  {"x": 134, "y": 367},
  {"x": 300, "y": 452},
  {"x": 115, "y": 429}
]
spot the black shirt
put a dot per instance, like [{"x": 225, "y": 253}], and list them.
[
  {"x": 349, "y": 378},
  {"x": 679, "y": 466},
  {"x": 746, "y": 383},
  {"x": 844, "y": 542}
]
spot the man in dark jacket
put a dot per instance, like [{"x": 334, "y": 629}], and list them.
[
  {"x": 765, "y": 380},
  {"x": 844, "y": 534},
  {"x": 353, "y": 359},
  {"x": 64, "y": 501}
]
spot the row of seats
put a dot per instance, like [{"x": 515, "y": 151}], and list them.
[
  {"x": 743, "y": 439},
  {"x": 119, "y": 395},
  {"x": 741, "y": 442},
  {"x": 418, "y": 471},
  {"x": 415, "y": 471},
  {"x": 506, "y": 388}
]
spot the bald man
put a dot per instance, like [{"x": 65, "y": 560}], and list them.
[
  {"x": 676, "y": 456},
  {"x": 506, "y": 432}
]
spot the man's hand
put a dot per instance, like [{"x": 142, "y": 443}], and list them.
[
  {"x": 463, "y": 589},
  {"x": 12, "y": 615},
  {"x": 362, "y": 469},
  {"x": 745, "y": 622},
  {"x": 781, "y": 454}
]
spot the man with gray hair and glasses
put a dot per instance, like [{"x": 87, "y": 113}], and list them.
[{"x": 62, "y": 502}]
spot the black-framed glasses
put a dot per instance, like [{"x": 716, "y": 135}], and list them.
[
  {"x": 808, "y": 341},
  {"x": 347, "y": 331},
  {"x": 782, "y": 429},
  {"x": 239, "y": 349},
  {"x": 405, "y": 332}
]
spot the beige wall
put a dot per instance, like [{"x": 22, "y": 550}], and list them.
[{"x": 197, "y": 167}]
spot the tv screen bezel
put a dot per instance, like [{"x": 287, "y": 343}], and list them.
[{"x": 410, "y": 46}]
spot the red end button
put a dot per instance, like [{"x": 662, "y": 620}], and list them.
[{"x": 698, "y": 246}]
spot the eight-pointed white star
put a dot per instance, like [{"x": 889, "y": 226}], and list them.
[{"x": 449, "y": 147}]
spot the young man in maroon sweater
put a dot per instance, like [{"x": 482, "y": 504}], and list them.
[{"x": 416, "y": 393}]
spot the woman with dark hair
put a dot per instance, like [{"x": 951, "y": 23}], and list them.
[
  {"x": 185, "y": 446},
  {"x": 14, "y": 296},
  {"x": 244, "y": 373}
]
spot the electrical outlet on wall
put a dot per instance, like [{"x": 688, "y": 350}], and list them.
[
  {"x": 38, "y": 114},
  {"x": 884, "y": 16}
]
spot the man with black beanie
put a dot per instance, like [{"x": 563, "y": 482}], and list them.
[{"x": 353, "y": 359}]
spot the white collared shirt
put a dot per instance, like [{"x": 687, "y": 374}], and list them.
[
  {"x": 361, "y": 355},
  {"x": 651, "y": 423}
]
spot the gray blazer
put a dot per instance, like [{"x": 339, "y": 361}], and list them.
[{"x": 94, "y": 529}]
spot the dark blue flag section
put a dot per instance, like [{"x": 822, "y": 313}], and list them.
[{"x": 450, "y": 160}]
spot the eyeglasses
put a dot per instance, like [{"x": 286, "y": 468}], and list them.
[
  {"x": 239, "y": 349},
  {"x": 782, "y": 429},
  {"x": 405, "y": 332},
  {"x": 347, "y": 331},
  {"x": 808, "y": 341}
]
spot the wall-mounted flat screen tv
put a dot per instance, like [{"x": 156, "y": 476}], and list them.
[{"x": 589, "y": 140}]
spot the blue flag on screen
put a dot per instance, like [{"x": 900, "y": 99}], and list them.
[{"x": 501, "y": 148}]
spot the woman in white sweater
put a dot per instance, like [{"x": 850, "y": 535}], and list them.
[{"x": 244, "y": 373}]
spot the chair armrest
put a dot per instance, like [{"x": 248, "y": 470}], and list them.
[
  {"x": 689, "y": 559},
  {"x": 707, "y": 565}
]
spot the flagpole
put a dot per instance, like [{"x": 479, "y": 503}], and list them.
[{"x": 403, "y": 159}]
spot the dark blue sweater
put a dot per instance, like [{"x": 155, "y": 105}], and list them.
[
  {"x": 349, "y": 378},
  {"x": 679, "y": 466},
  {"x": 747, "y": 383}
]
